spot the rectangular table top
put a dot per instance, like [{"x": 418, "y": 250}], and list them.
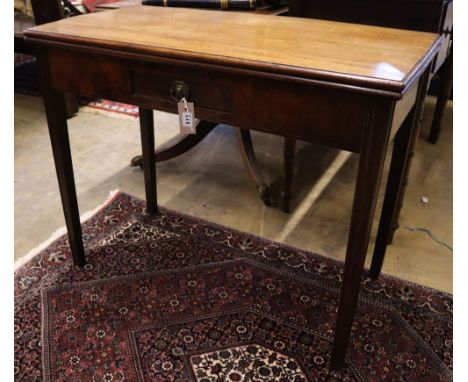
[{"x": 353, "y": 54}]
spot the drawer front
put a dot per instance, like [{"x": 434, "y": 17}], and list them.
[
  {"x": 283, "y": 106},
  {"x": 212, "y": 90},
  {"x": 333, "y": 117},
  {"x": 139, "y": 83},
  {"x": 89, "y": 75}
]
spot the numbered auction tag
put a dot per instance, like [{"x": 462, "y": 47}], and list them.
[{"x": 187, "y": 120}]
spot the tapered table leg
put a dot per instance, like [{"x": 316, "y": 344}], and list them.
[
  {"x": 412, "y": 148},
  {"x": 71, "y": 104},
  {"x": 403, "y": 150},
  {"x": 446, "y": 79},
  {"x": 56, "y": 113},
  {"x": 148, "y": 157},
  {"x": 372, "y": 156},
  {"x": 289, "y": 155}
]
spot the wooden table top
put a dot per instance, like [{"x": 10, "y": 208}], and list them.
[{"x": 353, "y": 54}]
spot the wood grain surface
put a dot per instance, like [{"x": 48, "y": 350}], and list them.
[{"x": 377, "y": 57}]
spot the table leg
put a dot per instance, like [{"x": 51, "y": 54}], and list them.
[
  {"x": 149, "y": 165},
  {"x": 403, "y": 151},
  {"x": 422, "y": 92},
  {"x": 71, "y": 103},
  {"x": 372, "y": 156},
  {"x": 446, "y": 79},
  {"x": 244, "y": 140},
  {"x": 289, "y": 155},
  {"x": 56, "y": 113}
]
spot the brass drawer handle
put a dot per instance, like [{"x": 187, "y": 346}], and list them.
[{"x": 179, "y": 90}]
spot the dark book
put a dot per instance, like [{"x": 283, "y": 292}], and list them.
[
  {"x": 276, "y": 3},
  {"x": 220, "y": 4}
]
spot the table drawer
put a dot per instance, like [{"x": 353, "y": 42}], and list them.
[
  {"x": 133, "y": 82},
  {"x": 245, "y": 99},
  {"x": 214, "y": 90}
]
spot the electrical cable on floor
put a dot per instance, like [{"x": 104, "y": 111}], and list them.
[{"x": 410, "y": 228}]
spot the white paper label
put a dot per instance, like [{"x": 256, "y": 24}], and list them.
[{"x": 187, "y": 120}]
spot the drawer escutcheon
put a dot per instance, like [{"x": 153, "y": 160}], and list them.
[{"x": 179, "y": 90}]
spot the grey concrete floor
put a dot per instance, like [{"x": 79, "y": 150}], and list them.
[{"x": 210, "y": 182}]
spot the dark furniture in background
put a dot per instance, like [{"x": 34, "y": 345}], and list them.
[
  {"x": 22, "y": 22},
  {"x": 45, "y": 11}
]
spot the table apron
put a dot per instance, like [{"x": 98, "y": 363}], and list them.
[{"x": 301, "y": 110}]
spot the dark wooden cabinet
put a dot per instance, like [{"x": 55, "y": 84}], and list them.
[{"x": 421, "y": 15}]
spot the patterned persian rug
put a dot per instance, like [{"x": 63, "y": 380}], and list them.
[
  {"x": 175, "y": 298},
  {"x": 27, "y": 82}
]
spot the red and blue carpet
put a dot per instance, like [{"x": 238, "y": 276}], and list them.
[{"x": 175, "y": 298}]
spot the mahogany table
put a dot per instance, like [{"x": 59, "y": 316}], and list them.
[{"x": 348, "y": 86}]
